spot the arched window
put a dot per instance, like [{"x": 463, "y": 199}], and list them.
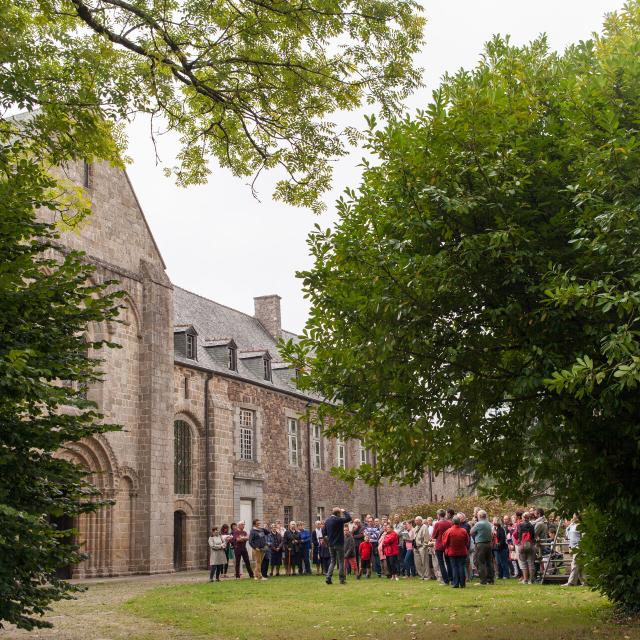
[{"x": 182, "y": 459}]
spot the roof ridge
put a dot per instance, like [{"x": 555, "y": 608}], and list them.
[{"x": 226, "y": 306}]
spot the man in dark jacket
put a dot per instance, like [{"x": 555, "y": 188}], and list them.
[{"x": 334, "y": 527}]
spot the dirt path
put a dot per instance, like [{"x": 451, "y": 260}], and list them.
[{"x": 96, "y": 614}]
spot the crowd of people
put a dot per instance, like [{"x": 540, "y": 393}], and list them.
[{"x": 451, "y": 548}]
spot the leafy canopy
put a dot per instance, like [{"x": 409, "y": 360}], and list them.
[
  {"x": 248, "y": 83},
  {"x": 478, "y": 298}
]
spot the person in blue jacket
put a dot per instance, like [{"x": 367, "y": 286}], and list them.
[
  {"x": 305, "y": 550},
  {"x": 334, "y": 527}
]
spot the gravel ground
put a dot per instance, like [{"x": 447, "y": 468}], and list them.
[{"x": 96, "y": 613}]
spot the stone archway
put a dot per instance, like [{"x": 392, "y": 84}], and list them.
[{"x": 94, "y": 530}]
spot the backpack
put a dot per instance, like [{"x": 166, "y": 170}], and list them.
[{"x": 525, "y": 541}]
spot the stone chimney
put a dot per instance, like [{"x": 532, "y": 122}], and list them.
[{"x": 267, "y": 311}]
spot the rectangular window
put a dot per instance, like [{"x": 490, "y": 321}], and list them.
[
  {"x": 316, "y": 446},
  {"x": 191, "y": 346},
  {"x": 292, "y": 434},
  {"x": 320, "y": 513},
  {"x": 267, "y": 368},
  {"x": 288, "y": 516},
  {"x": 86, "y": 175},
  {"x": 247, "y": 426},
  {"x": 317, "y": 454},
  {"x": 233, "y": 359},
  {"x": 364, "y": 455},
  {"x": 186, "y": 387},
  {"x": 341, "y": 454}
]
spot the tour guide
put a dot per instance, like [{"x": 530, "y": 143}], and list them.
[{"x": 334, "y": 527}]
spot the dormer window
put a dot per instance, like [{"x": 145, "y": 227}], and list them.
[
  {"x": 266, "y": 362},
  {"x": 233, "y": 358},
  {"x": 192, "y": 351}
]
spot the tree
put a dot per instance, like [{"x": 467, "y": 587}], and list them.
[
  {"x": 478, "y": 298},
  {"x": 250, "y": 83},
  {"x": 46, "y": 303}
]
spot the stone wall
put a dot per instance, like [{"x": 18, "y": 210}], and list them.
[
  {"x": 134, "y": 466},
  {"x": 269, "y": 481}
]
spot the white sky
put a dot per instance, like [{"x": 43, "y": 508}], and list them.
[{"x": 220, "y": 242}]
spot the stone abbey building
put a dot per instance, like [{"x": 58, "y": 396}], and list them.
[{"x": 213, "y": 427}]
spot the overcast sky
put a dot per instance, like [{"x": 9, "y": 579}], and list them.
[{"x": 220, "y": 242}]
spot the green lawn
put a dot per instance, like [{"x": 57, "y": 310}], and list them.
[{"x": 379, "y": 608}]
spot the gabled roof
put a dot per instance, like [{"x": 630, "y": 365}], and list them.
[
  {"x": 220, "y": 342},
  {"x": 181, "y": 328},
  {"x": 280, "y": 365},
  {"x": 260, "y": 353},
  {"x": 210, "y": 318}
]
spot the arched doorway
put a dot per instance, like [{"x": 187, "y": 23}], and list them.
[
  {"x": 179, "y": 540},
  {"x": 93, "y": 530}
]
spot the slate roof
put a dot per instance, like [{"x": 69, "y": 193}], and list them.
[
  {"x": 212, "y": 320},
  {"x": 254, "y": 354}
]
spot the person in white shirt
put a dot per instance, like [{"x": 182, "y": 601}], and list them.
[
  {"x": 574, "y": 535},
  {"x": 421, "y": 541},
  {"x": 432, "y": 570},
  {"x": 316, "y": 541}
]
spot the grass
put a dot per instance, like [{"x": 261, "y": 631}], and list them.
[{"x": 378, "y": 608}]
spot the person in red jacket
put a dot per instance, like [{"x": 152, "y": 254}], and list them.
[
  {"x": 456, "y": 546},
  {"x": 391, "y": 549},
  {"x": 364, "y": 551},
  {"x": 437, "y": 534}
]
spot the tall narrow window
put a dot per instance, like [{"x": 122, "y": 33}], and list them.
[
  {"x": 320, "y": 513},
  {"x": 364, "y": 455},
  {"x": 233, "y": 359},
  {"x": 266, "y": 362},
  {"x": 86, "y": 174},
  {"x": 316, "y": 446},
  {"x": 191, "y": 346},
  {"x": 247, "y": 426},
  {"x": 182, "y": 457},
  {"x": 341, "y": 454},
  {"x": 292, "y": 435},
  {"x": 288, "y": 515},
  {"x": 186, "y": 387}
]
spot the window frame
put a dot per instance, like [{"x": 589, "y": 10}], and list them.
[
  {"x": 364, "y": 455},
  {"x": 341, "y": 454},
  {"x": 316, "y": 446},
  {"x": 191, "y": 346},
  {"x": 87, "y": 174},
  {"x": 293, "y": 442},
  {"x": 182, "y": 458},
  {"x": 232, "y": 358},
  {"x": 247, "y": 432},
  {"x": 266, "y": 365}
]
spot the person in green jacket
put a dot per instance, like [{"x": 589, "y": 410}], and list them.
[{"x": 482, "y": 533}]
